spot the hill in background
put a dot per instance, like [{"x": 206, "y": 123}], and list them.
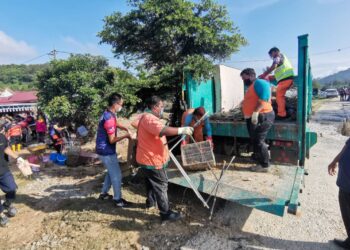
[
  {"x": 19, "y": 77},
  {"x": 339, "y": 79}
]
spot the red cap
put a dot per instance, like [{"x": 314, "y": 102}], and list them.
[{"x": 199, "y": 111}]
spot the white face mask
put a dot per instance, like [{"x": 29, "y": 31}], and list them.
[{"x": 119, "y": 109}]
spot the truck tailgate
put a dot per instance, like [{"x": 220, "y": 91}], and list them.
[{"x": 270, "y": 192}]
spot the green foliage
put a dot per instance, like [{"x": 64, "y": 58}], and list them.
[
  {"x": 19, "y": 77},
  {"x": 168, "y": 37},
  {"x": 75, "y": 90},
  {"x": 316, "y": 84}
]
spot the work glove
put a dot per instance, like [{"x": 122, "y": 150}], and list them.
[
  {"x": 255, "y": 118},
  {"x": 185, "y": 131},
  {"x": 24, "y": 166}
]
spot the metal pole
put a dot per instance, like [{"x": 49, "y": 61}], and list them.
[{"x": 183, "y": 172}]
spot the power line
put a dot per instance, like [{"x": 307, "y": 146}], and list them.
[
  {"x": 35, "y": 58},
  {"x": 313, "y": 54}
]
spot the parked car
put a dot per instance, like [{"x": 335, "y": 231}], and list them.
[{"x": 331, "y": 93}]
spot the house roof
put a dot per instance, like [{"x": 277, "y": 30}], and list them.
[{"x": 20, "y": 97}]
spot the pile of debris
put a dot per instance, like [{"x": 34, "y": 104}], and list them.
[
  {"x": 237, "y": 115},
  {"x": 232, "y": 115}
]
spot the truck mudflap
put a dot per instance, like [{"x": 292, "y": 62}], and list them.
[{"x": 269, "y": 192}]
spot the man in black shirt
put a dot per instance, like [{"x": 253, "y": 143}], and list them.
[{"x": 7, "y": 182}]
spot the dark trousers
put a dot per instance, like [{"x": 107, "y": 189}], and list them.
[
  {"x": 157, "y": 188},
  {"x": 258, "y": 135},
  {"x": 41, "y": 137},
  {"x": 344, "y": 203},
  {"x": 8, "y": 186}
]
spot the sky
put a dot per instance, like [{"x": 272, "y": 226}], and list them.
[{"x": 30, "y": 29}]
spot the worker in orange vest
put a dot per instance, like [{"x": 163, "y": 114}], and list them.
[
  {"x": 259, "y": 116},
  {"x": 190, "y": 118},
  {"x": 15, "y": 135}
]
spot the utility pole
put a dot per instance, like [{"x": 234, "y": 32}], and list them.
[{"x": 53, "y": 53}]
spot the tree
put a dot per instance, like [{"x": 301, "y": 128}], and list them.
[
  {"x": 168, "y": 37},
  {"x": 75, "y": 90},
  {"x": 316, "y": 84},
  {"x": 19, "y": 77}
]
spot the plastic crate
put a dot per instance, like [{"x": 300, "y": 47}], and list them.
[{"x": 197, "y": 156}]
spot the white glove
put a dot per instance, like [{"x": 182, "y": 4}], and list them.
[
  {"x": 20, "y": 160},
  {"x": 255, "y": 118},
  {"x": 185, "y": 131},
  {"x": 24, "y": 166}
]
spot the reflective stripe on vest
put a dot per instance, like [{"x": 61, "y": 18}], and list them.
[{"x": 285, "y": 70}]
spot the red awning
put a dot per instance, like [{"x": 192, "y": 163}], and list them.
[{"x": 20, "y": 97}]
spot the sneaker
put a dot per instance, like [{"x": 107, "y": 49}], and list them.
[
  {"x": 259, "y": 169},
  {"x": 345, "y": 244},
  {"x": 171, "y": 216},
  {"x": 11, "y": 211},
  {"x": 105, "y": 196},
  {"x": 4, "y": 220},
  {"x": 122, "y": 203}
]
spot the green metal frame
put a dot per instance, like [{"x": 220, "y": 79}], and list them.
[{"x": 296, "y": 132}]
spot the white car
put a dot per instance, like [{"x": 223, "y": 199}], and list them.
[{"x": 331, "y": 93}]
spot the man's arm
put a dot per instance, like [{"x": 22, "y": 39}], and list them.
[
  {"x": 334, "y": 164},
  {"x": 10, "y": 153},
  {"x": 112, "y": 138},
  {"x": 259, "y": 106},
  {"x": 58, "y": 128},
  {"x": 270, "y": 69}
]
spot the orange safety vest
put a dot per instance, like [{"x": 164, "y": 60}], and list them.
[
  {"x": 198, "y": 131},
  {"x": 250, "y": 103},
  {"x": 15, "y": 130}
]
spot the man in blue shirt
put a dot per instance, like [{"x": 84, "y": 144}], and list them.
[
  {"x": 190, "y": 117},
  {"x": 106, "y": 141},
  {"x": 343, "y": 161},
  {"x": 259, "y": 116}
]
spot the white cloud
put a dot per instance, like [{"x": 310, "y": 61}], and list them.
[
  {"x": 253, "y": 5},
  {"x": 14, "y": 51},
  {"x": 76, "y": 46}
]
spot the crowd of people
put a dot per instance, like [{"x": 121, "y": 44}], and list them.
[{"x": 25, "y": 128}]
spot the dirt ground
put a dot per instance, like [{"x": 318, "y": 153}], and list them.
[{"x": 58, "y": 209}]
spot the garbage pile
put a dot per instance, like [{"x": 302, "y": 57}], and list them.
[
  {"x": 237, "y": 115},
  {"x": 232, "y": 115}
]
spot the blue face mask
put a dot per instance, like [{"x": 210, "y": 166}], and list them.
[{"x": 161, "y": 113}]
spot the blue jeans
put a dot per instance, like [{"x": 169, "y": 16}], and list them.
[
  {"x": 113, "y": 177},
  {"x": 8, "y": 186}
]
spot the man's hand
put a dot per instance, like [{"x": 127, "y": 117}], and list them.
[
  {"x": 262, "y": 76},
  {"x": 185, "y": 131},
  {"x": 255, "y": 118},
  {"x": 210, "y": 139},
  {"x": 332, "y": 168}
]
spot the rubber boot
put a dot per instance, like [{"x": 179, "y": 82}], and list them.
[
  {"x": 13, "y": 147},
  {"x": 19, "y": 147}
]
